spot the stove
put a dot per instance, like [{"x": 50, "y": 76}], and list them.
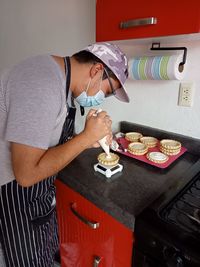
[
  {"x": 184, "y": 210},
  {"x": 167, "y": 233}
]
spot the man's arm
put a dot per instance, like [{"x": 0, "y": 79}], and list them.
[{"x": 31, "y": 165}]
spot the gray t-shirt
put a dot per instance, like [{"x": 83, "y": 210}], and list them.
[{"x": 32, "y": 107}]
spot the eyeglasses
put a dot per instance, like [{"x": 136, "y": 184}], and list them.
[{"x": 113, "y": 91}]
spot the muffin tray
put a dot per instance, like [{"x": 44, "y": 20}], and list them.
[{"x": 124, "y": 144}]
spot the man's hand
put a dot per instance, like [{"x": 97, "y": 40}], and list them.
[{"x": 98, "y": 125}]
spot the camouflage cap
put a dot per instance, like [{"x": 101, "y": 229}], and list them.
[{"x": 116, "y": 61}]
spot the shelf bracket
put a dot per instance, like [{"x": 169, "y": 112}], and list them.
[{"x": 156, "y": 46}]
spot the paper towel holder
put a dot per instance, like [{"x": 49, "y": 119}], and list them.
[{"x": 156, "y": 46}]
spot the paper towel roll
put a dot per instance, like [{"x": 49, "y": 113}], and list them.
[{"x": 165, "y": 67}]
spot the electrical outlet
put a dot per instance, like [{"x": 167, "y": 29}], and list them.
[{"x": 186, "y": 94}]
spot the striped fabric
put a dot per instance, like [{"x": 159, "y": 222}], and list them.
[
  {"x": 154, "y": 68},
  {"x": 28, "y": 224}
]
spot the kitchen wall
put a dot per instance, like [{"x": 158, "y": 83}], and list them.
[
  {"x": 63, "y": 27},
  {"x": 44, "y": 26},
  {"x": 155, "y": 103}
]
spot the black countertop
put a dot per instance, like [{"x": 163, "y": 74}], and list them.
[{"x": 128, "y": 193}]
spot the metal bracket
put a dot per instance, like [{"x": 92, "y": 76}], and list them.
[{"x": 156, "y": 46}]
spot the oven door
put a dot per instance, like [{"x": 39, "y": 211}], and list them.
[
  {"x": 142, "y": 260},
  {"x": 155, "y": 246}
]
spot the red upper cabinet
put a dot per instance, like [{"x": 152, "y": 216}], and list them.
[{"x": 171, "y": 17}]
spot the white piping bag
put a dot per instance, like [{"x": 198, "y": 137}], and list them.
[{"x": 102, "y": 141}]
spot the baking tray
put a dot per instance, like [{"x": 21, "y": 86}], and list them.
[{"x": 124, "y": 143}]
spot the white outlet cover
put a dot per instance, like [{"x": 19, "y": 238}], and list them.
[{"x": 186, "y": 94}]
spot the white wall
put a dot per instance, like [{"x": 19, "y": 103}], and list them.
[
  {"x": 59, "y": 27},
  {"x": 30, "y": 27},
  {"x": 154, "y": 103},
  {"x": 65, "y": 26}
]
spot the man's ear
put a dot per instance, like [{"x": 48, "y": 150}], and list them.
[{"x": 97, "y": 67}]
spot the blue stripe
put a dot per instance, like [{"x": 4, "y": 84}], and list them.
[
  {"x": 135, "y": 68},
  {"x": 156, "y": 68}
]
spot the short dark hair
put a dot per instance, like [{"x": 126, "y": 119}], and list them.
[{"x": 87, "y": 57}]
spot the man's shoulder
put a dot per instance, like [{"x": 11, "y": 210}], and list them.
[
  {"x": 36, "y": 68},
  {"x": 33, "y": 61}
]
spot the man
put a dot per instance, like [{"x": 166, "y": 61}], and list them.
[{"x": 37, "y": 115}]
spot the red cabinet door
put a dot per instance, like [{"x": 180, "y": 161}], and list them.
[
  {"x": 173, "y": 18},
  {"x": 88, "y": 235}
]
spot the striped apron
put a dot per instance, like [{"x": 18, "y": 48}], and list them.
[{"x": 28, "y": 223}]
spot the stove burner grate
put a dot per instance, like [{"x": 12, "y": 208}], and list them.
[
  {"x": 184, "y": 209},
  {"x": 197, "y": 214}
]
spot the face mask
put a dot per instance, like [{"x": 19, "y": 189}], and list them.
[{"x": 88, "y": 101}]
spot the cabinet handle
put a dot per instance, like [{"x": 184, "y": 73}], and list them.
[
  {"x": 93, "y": 225},
  {"x": 97, "y": 260},
  {"x": 138, "y": 22}
]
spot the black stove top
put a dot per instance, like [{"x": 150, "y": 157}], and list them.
[
  {"x": 184, "y": 209},
  {"x": 168, "y": 232}
]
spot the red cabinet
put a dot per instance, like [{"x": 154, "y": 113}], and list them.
[
  {"x": 89, "y": 236},
  {"x": 173, "y": 18}
]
